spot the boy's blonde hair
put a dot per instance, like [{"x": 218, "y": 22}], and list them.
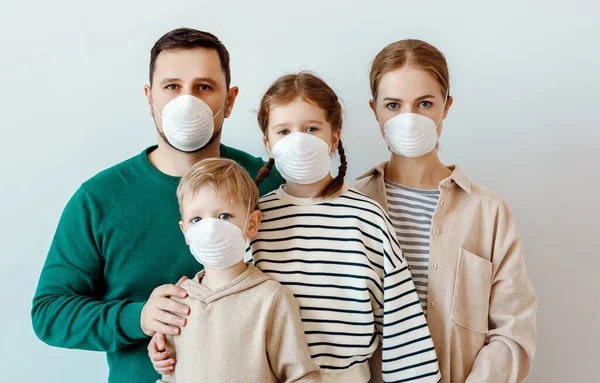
[{"x": 225, "y": 177}]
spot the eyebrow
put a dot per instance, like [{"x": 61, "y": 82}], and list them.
[
  {"x": 207, "y": 80},
  {"x": 417, "y": 99},
  {"x": 288, "y": 124}
]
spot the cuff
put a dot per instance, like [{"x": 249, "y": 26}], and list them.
[{"x": 129, "y": 320}]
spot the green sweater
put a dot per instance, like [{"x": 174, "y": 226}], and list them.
[{"x": 118, "y": 238}]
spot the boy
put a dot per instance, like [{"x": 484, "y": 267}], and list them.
[{"x": 243, "y": 326}]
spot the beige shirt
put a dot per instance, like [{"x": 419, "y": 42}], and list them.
[
  {"x": 247, "y": 331},
  {"x": 481, "y": 304}
]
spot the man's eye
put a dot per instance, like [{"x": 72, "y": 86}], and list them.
[
  {"x": 204, "y": 87},
  {"x": 172, "y": 87},
  {"x": 224, "y": 216},
  {"x": 196, "y": 220},
  {"x": 311, "y": 129},
  {"x": 425, "y": 104},
  {"x": 283, "y": 132},
  {"x": 393, "y": 106}
]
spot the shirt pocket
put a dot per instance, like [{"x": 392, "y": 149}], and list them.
[{"x": 472, "y": 287}]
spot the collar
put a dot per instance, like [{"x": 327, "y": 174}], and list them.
[{"x": 457, "y": 176}]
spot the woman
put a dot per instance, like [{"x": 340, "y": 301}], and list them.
[{"x": 459, "y": 238}]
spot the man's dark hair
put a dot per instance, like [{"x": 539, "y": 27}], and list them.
[{"x": 187, "y": 38}]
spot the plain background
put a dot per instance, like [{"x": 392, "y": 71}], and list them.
[{"x": 524, "y": 122}]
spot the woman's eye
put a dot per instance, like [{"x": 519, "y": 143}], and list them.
[
  {"x": 283, "y": 132},
  {"x": 204, "y": 87},
  {"x": 425, "y": 104},
  {"x": 196, "y": 220},
  {"x": 393, "y": 106},
  {"x": 311, "y": 129},
  {"x": 172, "y": 87},
  {"x": 224, "y": 216}
]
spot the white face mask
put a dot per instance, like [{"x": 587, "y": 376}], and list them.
[
  {"x": 302, "y": 158},
  {"x": 216, "y": 243},
  {"x": 411, "y": 134},
  {"x": 188, "y": 122}
]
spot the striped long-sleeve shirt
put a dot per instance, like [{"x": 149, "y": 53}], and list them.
[{"x": 341, "y": 260}]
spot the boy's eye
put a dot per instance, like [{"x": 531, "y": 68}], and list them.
[
  {"x": 393, "y": 106},
  {"x": 311, "y": 129},
  {"x": 224, "y": 216},
  {"x": 196, "y": 220},
  {"x": 172, "y": 87},
  {"x": 425, "y": 104},
  {"x": 283, "y": 132}
]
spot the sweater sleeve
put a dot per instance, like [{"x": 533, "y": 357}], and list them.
[
  {"x": 67, "y": 308},
  {"x": 508, "y": 356},
  {"x": 408, "y": 353},
  {"x": 287, "y": 349}
]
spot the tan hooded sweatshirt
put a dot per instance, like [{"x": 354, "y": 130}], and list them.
[{"x": 247, "y": 331}]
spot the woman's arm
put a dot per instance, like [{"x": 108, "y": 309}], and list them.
[{"x": 508, "y": 356}]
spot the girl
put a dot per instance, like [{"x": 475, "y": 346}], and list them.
[
  {"x": 459, "y": 238},
  {"x": 333, "y": 247}
]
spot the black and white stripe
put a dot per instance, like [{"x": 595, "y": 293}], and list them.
[
  {"x": 411, "y": 211},
  {"x": 341, "y": 260}
]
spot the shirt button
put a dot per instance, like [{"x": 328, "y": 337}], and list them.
[
  {"x": 436, "y": 232},
  {"x": 431, "y": 304},
  {"x": 434, "y": 266},
  {"x": 442, "y": 204}
]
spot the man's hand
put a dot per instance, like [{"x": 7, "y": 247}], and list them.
[{"x": 157, "y": 312}]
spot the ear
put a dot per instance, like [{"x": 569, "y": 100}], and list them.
[
  {"x": 254, "y": 222},
  {"x": 232, "y": 94},
  {"x": 448, "y": 105},
  {"x": 183, "y": 231},
  {"x": 335, "y": 140},
  {"x": 267, "y": 146},
  {"x": 148, "y": 92},
  {"x": 373, "y": 108}
]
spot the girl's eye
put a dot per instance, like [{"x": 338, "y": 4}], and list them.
[
  {"x": 204, "y": 87},
  {"x": 393, "y": 106},
  {"x": 425, "y": 104},
  {"x": 283, "y": 132},
  {"x": 196, "y": 220},
  {"x": 311, "y": 129},
  {"x": 172, "y": 87},
  {"x": 224, "y": 216}
]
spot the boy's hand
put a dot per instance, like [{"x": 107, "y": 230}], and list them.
[
  {"x": 156, "y": 314},
  {"x": 159, "y": 355}
]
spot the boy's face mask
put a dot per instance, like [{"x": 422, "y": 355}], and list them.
[{"x": 216, "y": 243}]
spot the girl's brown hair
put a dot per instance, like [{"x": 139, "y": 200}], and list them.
[
  {"x": 414, "y": 53},
  {"x": 314, "y": 90}
]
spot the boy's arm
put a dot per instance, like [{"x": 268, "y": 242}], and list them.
[
  {"x": 170, "y": 346},
  {"x": 287, "y": 349},
  {"x": 408, "y": 352},
  {"x": 67, "y": 307}
]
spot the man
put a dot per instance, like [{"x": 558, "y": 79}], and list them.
[{"x": 118, "y": 237}]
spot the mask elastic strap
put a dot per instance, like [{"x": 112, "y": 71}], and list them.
[
  {"x": 220, "y": 110},
  {"x": 247, "y": 217},
  {"x": 444, "y": 110}
]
